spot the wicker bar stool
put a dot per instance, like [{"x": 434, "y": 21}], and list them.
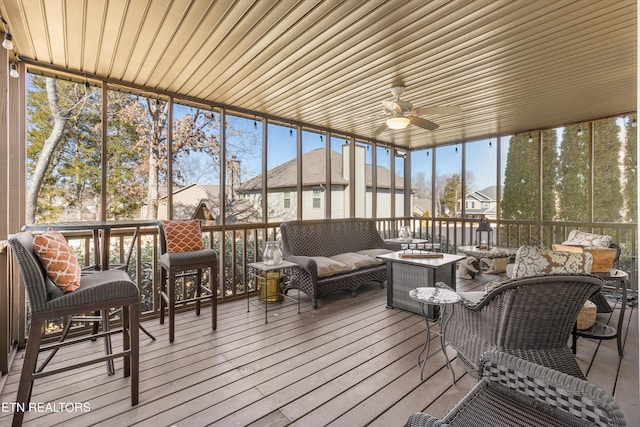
[
  {"x": 96, "y": 292},
  {"x": 183, "y": 254}
]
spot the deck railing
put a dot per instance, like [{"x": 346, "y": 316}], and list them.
[{"x": 243, "y": 244}]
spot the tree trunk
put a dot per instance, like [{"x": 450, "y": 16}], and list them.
[
  {"x": 158, "y": 112},
  {"x": 42, "y": 165}
]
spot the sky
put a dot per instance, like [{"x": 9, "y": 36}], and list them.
[{"x": 480, "y": 156}]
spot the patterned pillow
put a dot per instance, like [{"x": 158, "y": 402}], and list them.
[
  {"x": 581, "y": 238},
  {"x": 532, "y": 261},
  {"x": 58, "y": 260},
  {"x": 183, "y": 236}
]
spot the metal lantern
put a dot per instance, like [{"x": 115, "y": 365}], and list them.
[{"x": 484, "y": 235}]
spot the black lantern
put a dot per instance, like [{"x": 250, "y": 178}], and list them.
[{"x": 484, "y": 235}]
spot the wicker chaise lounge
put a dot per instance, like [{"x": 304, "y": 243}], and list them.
[
  {"x": 515, "y": 392},
  {"x": 333, "y": 255}
]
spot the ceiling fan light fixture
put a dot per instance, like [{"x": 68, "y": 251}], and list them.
[{"x": 398, "y": 122}]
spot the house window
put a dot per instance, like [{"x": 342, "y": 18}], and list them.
[
  {"x": 287, "y": 199},
  {"x": 470, "y": 205},
  {"x": 316, "y": 199}
]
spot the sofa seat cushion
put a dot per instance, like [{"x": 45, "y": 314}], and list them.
[
  {"x": 373, "y": 253},
  {"x": 354, "y": 260},
  {"x": 328, "y": 267}
]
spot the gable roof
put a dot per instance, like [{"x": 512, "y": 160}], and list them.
[
  {"x": 236, "y": 211},
  {"x": 489, "y": 194},
  {"x": 211, "y": 190},
  {"x": 313, "y": 173}
]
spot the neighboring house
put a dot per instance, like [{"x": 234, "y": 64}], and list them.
[
  {"x": 282, "y": 185},
  {"x": 480, "y": 204},
  {"x": 203, "y": 202},
  {"x": 187, "y": 199},
  {"x": 421, "y": 207},
  {"x": 245, "y": 205},
  {"x": 237, "y": 211}
]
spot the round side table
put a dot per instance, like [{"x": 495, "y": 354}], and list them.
[
  {"x": 445, "y": 299},
  {"x": 600, "y": 330}
]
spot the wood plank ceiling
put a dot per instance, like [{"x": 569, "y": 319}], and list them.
[{"x": 511, "y": 65}]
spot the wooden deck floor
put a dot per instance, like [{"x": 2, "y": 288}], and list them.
[{"x": 350, "y": 363}]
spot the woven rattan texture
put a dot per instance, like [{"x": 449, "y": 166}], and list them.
[
  {"x": 515, "y": 392},
  {"x": 304, "y": 239},
  {"x": 530, "y": 317}
]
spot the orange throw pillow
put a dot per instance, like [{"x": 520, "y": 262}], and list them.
[
  {"x": 58, "y": 260},
  {"x": 183, "y": 236}
]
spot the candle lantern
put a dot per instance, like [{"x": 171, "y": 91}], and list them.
[{"x": 484, "y": 235}]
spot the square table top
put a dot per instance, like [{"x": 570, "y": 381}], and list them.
[
  {"x": 441, "y": 260},
  {"x": 261, "y": 266},
  {"x": 494, "y": 252}
]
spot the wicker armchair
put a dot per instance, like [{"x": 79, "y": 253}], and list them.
[
  {"x": 530, "y": 317},
  {"x": 517, "y": 392}
]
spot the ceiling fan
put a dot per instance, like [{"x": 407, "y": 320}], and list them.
[{"x": 401, "y": 113}]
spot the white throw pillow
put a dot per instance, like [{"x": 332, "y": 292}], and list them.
[{"x": 580, "y": 238}]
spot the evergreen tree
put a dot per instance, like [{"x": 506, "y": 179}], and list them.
[
  {"x": 607, "y": 185},
  {"x": 520, "y": 198},
  {"x": 549, "y": 173},
  {"x": 630, "y": 165},
  {"x": 453, "y": 192},
  {"x": 574, "y": 177}
]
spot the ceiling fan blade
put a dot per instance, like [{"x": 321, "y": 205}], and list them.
[
  {"x": 443, "y": 109},
  {"x": 423, "y": 123},
  {"x": 392, "y": 106},
  {"x": 380, "y": 129},
  {"x": 404, "y": 105}
]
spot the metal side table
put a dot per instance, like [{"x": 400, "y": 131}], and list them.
[
  {"x": 445, "y": 299},
  {"x": 599, "y": 330},
  {"x": 270, "y": 281}
]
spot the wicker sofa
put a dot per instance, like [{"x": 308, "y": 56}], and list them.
[{"x": 333, "y": 255}]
